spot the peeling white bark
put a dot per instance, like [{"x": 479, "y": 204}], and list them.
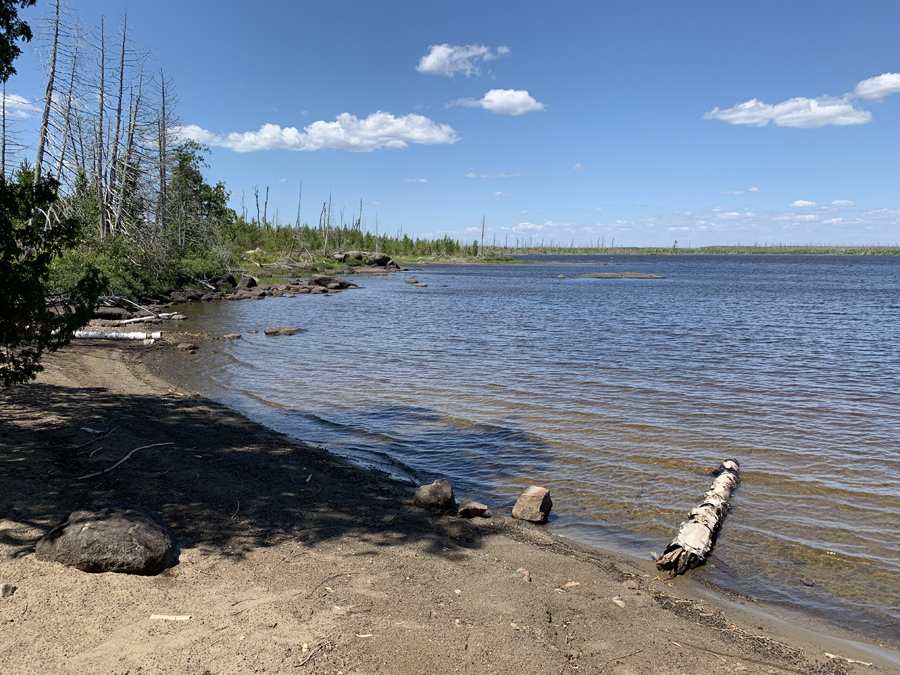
[
  {"x": 107, "y": 335},
  {"x": 697, "y": 534}
]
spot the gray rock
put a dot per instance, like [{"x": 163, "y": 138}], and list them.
[
  {"x": 232, "y": 336},
  {"x": 186, "y": 346},
  {"x": 472, "y": 509},
  {"x": 7, "y": 590},
  {"x": 534, "y": 505},
  {"x": 437, "y": 497},
  {"x": 318, "y": 290},
  {"x": 326, "y": 281},
  {"x": 252, "y": 330},
  {"x": 178, "y": 317},
  {"x": 412, "y": 280},
  {"x": 110, "y": 536},
  {"x": 246, "y": 283},
  {"x": 421, "y": 285},
  {"x": 282, "y": 330}
]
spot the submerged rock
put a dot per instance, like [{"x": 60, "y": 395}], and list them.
[
  {"x": 110, "y": 536},
  {"x": 437, "y": 497},
  {"x": 472, "y": 509},
  {"x": 282, "y": 330},
  {"x": 534, "y": 505}
]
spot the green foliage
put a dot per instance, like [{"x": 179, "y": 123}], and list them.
[
  {"x": 28, "y": 246},
  {"x": 12, "y": 29}
]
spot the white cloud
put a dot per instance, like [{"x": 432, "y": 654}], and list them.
[
  {"x": 503, "y": 102},
  {"x": 802, "y": 203},
  {"x": 305, "y": 113},
  {"x": 282, "y": 180},
  {"x": 752, "y": 189},
  {"x": 679, "y": 229},
  {"x": 808, "y": 219},
  {"x": 19, "y": 106},
  {"x": 833, "y": 221},
  {"x": 449, "y": 60},
  {"x": 501, "y": 194},
  {"x": 879, "y": 87},
  {"x": 750, "y": 214},
  {"x": 734, "y": 192},
  {"x": 378, "y": 130},
  {"x": 376, "y": 203},
  {"x": 842, "y": 202},
  {"x": 729, "y": 216},
  {"x": 798, "y": 113},
  {"x": 524, "y": 213},
  {"x": 494, "y": 175},
  {"x": 577, "y": 166},
  {"x": 416, "y": 180}
]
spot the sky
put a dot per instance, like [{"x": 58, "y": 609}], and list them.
[{"x": 638, "y": 124}]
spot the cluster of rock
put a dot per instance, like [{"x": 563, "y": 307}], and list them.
[
  {"x": 371, "y": 259},
  {"x": 533, "y": 504},
  {"x": 318, "y": 284}
]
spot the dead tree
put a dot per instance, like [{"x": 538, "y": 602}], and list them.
[{"x": 698, "y": 533}]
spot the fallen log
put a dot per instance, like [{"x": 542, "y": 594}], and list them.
[
  {"x": 147, "y": 319},
  {"x": 109, "y": 335},
  {"x": 697, "y": 534}
]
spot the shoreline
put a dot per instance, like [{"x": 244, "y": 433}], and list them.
[{"x": 412, "y": 592}]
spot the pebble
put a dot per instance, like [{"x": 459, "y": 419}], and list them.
[
  {"x": 7, "y": 590},
  {"x": 806, "y": 582}
]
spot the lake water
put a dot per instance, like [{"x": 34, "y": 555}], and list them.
[{"x": 620, "y": 396}]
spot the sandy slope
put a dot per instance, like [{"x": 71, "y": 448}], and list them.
[{"x": 339, "y": 574}]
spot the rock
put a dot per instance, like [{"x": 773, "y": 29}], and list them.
[
  {"x": 303, "y": 290},
  {"x": 112, "y": 313},
  {"x": 318, "y": 290},
  {"x": 631, "y": 584},
  {"x": 178, "y": 317},
  {"x": 110, "y": 536},
  {"x": 437, "y": 497},
  {"x": 534, "y": 505},
  {"x": 186, "y": 346},
  {"x": 282, "y": 330},
  {"x": 335, "y": 286},
  {"x": 379, "y": 259},
  {"x": 560, "y": 276},
  {"x": 7, "y": 590},
  {"x": 223, "y": 281},
  {"x": 421, "y": 285},
  {"x": 246, "y": 282},
  {"x": 472, "y": 509},
  {"x": 340, "y": 257},
  {"x": 412, "y": 280},
  {"x": 526, "y": 575},
  {"x": 637, "y": 599},
  {"x": 252, "y": 330},
  {"x": 326, "y": 281},
  {"x": 232, "y": 336}
]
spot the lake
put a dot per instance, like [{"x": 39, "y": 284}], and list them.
[{"x": 620, "y": 396}]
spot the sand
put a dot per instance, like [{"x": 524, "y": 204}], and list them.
[{"x": 294, "y": 561}]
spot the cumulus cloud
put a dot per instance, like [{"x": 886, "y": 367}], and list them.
[
  {"x": 729, "y": 216},
  {"x": 503, "y": 102},
  {"x": 803, "y": 203},
  {"x": 798, "y": 113},
  {"x": 833, "y": 221},
  {"x": 18, "y": 106},
  {"x": 347, "y": 132},
  {"x": 752, "y": 189},
  {"x": 501, "y": 194},
  {"x": 811, "y": 113},
  {"x": 416, "y": 180},
  {"x": 842, "y": 202},
  {"x": 449, "y": 60},
  {"x": 878, "y": 87},
  {"x": 494, "y": 175}
]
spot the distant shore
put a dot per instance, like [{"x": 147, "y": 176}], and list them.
[{"x": 295, "y": 561}]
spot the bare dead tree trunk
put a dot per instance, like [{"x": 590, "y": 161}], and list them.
[
  {"x": 256, "y": 194},
  {"x": 67, "y": 116},
  {"x": 114, "y": 150},
  {"x": 48, "y": 101},
  {"x": 697, "y": 534},
  {"x": 129, "y": 146},
  {"x": 3, "y": 146},
  {"x": 101, "y": 198},
  {"x": 266, "y": 208}
]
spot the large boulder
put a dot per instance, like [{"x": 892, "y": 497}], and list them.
[
  {"x": 379, "y": 259},
  {"x": 110, "y": 536},
  {"x": 534, "y": 504},
  {"x": 282, "y": 330},
  {"x": 246, "y": 283},
  {"x": 472, "y": 509},
  {"x": 437, "y": 497},
  {"x": 326, "y": 281}
]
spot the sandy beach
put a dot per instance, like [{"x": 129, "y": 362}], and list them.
[{"x": 294, "y": 561}]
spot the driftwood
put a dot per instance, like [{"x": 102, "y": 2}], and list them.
[
  {"x": 107, "y": 335},
  {"x": 697, "y": 534},
  {"x": 143, "y": 447},
  {"x": 147, "y": 319}
]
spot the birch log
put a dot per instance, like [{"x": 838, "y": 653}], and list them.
[
  {"x": 695, "y": 538},
  {"x": 108, "y": 335}
]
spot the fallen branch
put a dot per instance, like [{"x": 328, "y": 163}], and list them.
[
  {"x": 146, "y": 319},
  {"x": 697, "y": 534},
  {"x": 107, "y": 335},
  {"x": 143, "y": 447}
]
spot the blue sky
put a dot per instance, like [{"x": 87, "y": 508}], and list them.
[{"x": 646, "y": 123}]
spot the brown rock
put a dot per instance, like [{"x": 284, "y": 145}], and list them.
[
  {"x": 231, "y": 336},
  {"x": 186, "y": 346},
  {"x": 282, "y": 330},
  {"x": 472, "y": 509},
  {"x": 534, "y": 505},
  {"x": 412, "y": 280}
]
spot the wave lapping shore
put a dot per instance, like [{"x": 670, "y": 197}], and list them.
[{"x": 295, "y": 561}]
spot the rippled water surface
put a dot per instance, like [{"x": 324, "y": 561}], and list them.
[{"x": 620, "y": 395}]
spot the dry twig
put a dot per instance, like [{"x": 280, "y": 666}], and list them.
[{"x": 100, "y": 473}]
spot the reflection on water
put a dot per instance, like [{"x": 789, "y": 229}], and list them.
[{"x": 619, "y": 395}]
